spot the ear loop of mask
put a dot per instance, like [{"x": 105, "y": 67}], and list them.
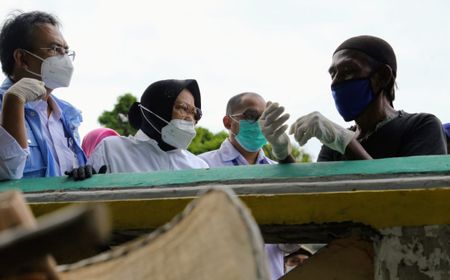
[
  {"x": 371, "y": 74},
  {"x": 385, "y": 88},
  {"x": 36, "y": 56},
  {"x": 231, "y": 132},
  {"x": 142, "y": 111}
]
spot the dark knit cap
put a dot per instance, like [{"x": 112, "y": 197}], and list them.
[
  {"x": 160, "y": 97},
  {"x": 375, "y": 47}
]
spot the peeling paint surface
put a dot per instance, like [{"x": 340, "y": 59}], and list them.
[{"x": 413, "y": 253}]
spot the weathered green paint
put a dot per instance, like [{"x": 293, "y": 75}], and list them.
[{"x": 419, "y": 164}]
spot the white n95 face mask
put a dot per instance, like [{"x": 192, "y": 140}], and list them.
[
  {"x": 177, "y": 133},
  {"x": 56, "y": 71}
]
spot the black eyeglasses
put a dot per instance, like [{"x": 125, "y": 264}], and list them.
[{"x": 250, "y": 115}]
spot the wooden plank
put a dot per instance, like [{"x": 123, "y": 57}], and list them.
[
  {"x": 289, "y": 197},
  {"x": 215, "y": 237},
  {"x": 14, "y": 213},
  {"x": 288, "y": 185},
  {"x": 226, "y": 175},
  {"x": 68, "y": 235},
  {"x": 375, "y": 208}
]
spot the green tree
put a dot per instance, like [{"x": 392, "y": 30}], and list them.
[
  {"x": 299, "y": 154},
  {"x": 206, "y": 141},
  {"x": 117, "y": 119}
]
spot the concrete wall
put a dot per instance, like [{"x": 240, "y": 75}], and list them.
[{"x": 413, "y": 253}]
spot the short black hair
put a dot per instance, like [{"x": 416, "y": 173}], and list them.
[
  {"x": 236, "y": 100},
  {"x": 16, "y": 34}
]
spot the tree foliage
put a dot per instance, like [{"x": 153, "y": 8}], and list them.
[
  {"x": 299, "y": 154},
  {"x": 206, "y": 141},
  {"x": 117, "y": 119}
]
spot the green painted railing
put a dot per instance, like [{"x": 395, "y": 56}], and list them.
[{"x": 413, "y": 165}]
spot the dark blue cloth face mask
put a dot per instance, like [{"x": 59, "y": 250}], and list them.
[{"x": 352, "y": 97}]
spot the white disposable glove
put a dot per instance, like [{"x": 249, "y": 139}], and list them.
[
  {"x": 273, "y": 127},
  {"x": 28, "y": 89},
  {"x": 329, "y": 133}
]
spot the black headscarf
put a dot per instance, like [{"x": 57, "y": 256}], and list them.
[
  {"x": 159, "y": 98},
  {"x": 376, "y": 48}
]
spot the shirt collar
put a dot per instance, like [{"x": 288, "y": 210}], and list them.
[
  {"x": 141, "y": 136},
  {"x": 35, "y": 105},
  {"x": 41, "y": 105},
  {"x": 228, "y": 152},
  {"x": 381, "y": 124}
]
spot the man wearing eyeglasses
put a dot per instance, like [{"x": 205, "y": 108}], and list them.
[
  {"x": 251, "y": 124},
  {"x": 38, "y": 132}
]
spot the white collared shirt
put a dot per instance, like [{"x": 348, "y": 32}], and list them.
[
  {"x": 140, "y": 153},
  {"x": 53, "y": 133},
  {"x": 228, "y": 155},
  {"x": 12, "y": 156}
]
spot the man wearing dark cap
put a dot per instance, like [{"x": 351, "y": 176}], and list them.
[
  {"x": 165, "y": 119},
  {"x": 363, "y": 72}
]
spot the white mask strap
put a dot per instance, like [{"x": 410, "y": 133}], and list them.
[
  {"x": 35, "y": 55},
  {"x": 142, "y": 107},
  {"x": 149, "y": 122},
  {"x": 34, "y": 73}
]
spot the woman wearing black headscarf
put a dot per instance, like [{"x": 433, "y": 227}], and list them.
[{"x": 165, "y": 119}]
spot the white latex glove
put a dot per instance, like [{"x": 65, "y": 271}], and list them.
[
  {"x": 329, "y": 133},
  {"x": 273, "y": 127},
  {"x": 28, "y": 89}
]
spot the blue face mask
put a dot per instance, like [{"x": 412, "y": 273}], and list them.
[
  {"x": 352, "y": 97},
  {"x": 250, "y": 136}
]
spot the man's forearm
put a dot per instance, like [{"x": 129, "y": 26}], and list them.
[
  {"x": 355, "y": 151},
  {"x": 13, "y": 119}
]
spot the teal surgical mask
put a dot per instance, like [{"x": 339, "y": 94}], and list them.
[{"x": 250, "y": 136}]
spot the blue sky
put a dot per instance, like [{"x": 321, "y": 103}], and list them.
[{"x": 280, "y": 49}]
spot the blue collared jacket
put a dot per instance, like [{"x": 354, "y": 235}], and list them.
[{"x": 40, "y": 162}]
